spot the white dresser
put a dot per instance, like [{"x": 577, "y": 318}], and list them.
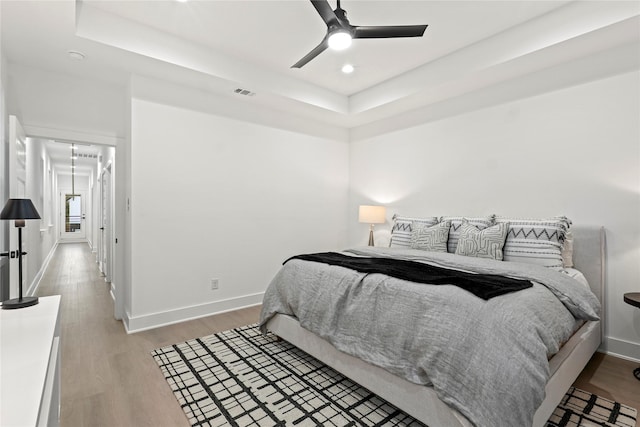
[{"x": 30, "y": 365}]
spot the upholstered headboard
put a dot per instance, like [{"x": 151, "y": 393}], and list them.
[{"x": 589, "y": 256}]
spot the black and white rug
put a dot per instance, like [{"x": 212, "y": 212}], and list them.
[{"x": 241, "y": 378}]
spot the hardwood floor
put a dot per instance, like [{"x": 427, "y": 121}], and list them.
[
  {"x": 612, "y": 378},
  {"x": 110, "y": 379}
]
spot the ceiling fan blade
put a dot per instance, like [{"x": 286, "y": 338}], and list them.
[
  {"x": 315, "y": 52},
  {"x": 325, "y": 11},
  {"x": 384, "y": 32}
]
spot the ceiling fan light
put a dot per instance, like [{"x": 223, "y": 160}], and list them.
[{"x": 339, "y": 40}]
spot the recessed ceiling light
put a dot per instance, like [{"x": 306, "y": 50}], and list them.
[
  {"x": 182, "y": 1},
  {"x": 347, "y": 68},
  {"x": 75, "y": 55}
]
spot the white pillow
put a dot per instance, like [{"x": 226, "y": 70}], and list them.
[
  {"x": 536, "y": 241},
  {"x": 567, "y": 250}
]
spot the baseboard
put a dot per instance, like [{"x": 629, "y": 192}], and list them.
[
  {"x": 622, "y": 349},
  {"x": 33, "y": 288},
  {"x": 67, "y": 240},
  {"x": 156, "y": 320}
]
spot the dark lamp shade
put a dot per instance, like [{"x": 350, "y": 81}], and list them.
[{"x": 19, "y": 209}]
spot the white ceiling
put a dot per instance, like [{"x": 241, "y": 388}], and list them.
[
  {"x": 218, "y": 46},
  {"x": 276, "y": 34},
  {"x": 60, "y": 154}
]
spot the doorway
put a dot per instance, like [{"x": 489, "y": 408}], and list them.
[
  {"x": 73, "y": 216},
  {"x": 105, "y": 224}
]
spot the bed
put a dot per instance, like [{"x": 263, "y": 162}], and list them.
[{"x": 423, "y": 402}]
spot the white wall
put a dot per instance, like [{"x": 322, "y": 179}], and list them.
[
  {"x": 573, "y": 152},
  {"x": 214, "y": 197},
  {"x": 4, "y": 177},
  {"x": 81, "y": 182},
  {"x": 39, "y": 239}
]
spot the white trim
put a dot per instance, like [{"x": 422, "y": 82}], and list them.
[
  {"x": 65, "y": 241},
  {"x": 165, "y": 318},
  {"x": 33, "y": 288},
  {"x": 67, "y": 135},
  {"x": 623, "y": 349},
  {"x": 125, "y": 322}
]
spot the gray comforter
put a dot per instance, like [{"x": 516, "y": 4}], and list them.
[{"x": 487, "y": 359}]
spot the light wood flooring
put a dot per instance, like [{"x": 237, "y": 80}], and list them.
[{"x": 110, "y": 379}]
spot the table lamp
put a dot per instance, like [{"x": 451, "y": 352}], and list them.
[
  {"x": 372, "y": 215},
  {"x": 19, "y": 210}
]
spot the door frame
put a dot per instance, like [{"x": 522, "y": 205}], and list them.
[
  {"x": 70, "y": 237},
  {"x": 105, "y": 251},
  {"x": 17, "y": 173}
]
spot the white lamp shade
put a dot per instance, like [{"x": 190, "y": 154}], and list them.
[{"x": 372, "y": 214}]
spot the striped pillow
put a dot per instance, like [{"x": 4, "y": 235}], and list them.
[
  {"x": 402, "y": 227},
  {"x": 456, "y": 221},
  {"x": 536, "y": 241}
]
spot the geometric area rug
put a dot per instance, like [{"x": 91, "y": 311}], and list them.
[
  {"x": 242, "y": 378},
  {"x": 581, "y": 408}
]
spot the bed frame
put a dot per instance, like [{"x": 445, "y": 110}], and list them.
[{"x": 421, "y": 401}]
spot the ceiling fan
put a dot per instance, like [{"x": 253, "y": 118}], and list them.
[{"x": 340, "y": 32}]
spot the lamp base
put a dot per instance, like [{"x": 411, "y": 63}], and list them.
[{"x": 19, "y": 303}]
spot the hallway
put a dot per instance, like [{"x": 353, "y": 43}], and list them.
[{"x": 108, "y": 376}]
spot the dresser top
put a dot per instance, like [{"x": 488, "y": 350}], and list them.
[{"x": 26, "y": 335}]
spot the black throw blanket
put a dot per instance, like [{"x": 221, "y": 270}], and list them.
[{"x": 485, "y": 286}]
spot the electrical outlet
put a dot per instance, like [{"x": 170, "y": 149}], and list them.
[{"x": 214, "y": 284}]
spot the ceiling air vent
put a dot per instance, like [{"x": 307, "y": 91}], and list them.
[{"x": 244, "y": 92}]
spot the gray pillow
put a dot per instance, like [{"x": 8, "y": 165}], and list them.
[
  {"x": 430, "y": 238},
  {"x": 485, "y": 243},
  {"x": 456, "y": 222}
]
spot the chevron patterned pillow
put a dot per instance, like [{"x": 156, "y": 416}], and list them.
[
  {"x": 485, "y": 243},
  {"x": 536, "y": 241},
  {"x": 402, "y": 227}
]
